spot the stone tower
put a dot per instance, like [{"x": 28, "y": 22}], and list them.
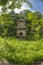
[{"x": 21, "y": 28}]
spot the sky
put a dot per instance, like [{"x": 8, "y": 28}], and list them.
[
  {"x": 23, "y": 7},
  {"x": 37, "y": 6}
]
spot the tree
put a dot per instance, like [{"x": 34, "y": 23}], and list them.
[
  {"x": 3, "y": 4},
  {"x": 15, "y": 4},
  {"x": 35, "y": 25},
  {"x": 41, "y": 24},
  {"x": 24, "y": 14},
  {"x": 31, "y": 16},
  {"x": 37, "y": 13},
  {"x": 7, "y": 25}
]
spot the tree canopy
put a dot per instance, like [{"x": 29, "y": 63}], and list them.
[{"x": 14, "y": 4}]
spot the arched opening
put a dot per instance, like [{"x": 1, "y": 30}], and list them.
[{"x": 21, "y": 33}]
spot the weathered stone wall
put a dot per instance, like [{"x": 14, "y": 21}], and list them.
[{"x": 21, "y": 31}]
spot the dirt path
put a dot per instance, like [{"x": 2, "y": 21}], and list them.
[
  {"x": 41, "y": 63},
  {"x": 4, "y": 63},
  {"x": 7, "y": 63}
]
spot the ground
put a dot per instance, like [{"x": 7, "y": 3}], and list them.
[{"x": 21, "y": 51}]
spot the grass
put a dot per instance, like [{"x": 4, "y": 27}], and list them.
[{"x": 21, "y": 52}]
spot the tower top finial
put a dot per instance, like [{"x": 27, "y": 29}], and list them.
[{"x": 21, "y": 20}]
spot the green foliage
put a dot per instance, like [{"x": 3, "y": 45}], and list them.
[
  {"x": 7, "y": 25},
  {"x": 41, "y": 21},
  {"x": 3, "y": 2},
  {"x": 32, "y": 16},
  {"x": 38, "y": 14},
  {"x": 35, "y": 24},
  {"x": 20, "y": 51},
  {"x": 15, "y": 4}
]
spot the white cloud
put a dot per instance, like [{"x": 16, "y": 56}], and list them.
[
  {"x": 25, "y": 6},
  {"x": 17, "y": 10},
  {"x": 33, "y": 10},
  {"x": 0, "y": 8}
]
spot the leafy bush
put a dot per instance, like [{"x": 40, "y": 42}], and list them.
[
  {"x": 7, "y": 25},
  {"x": 21, "y": 52}
]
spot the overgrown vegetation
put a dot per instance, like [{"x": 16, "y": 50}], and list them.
[
  {"x": 21, "y": 52},
  {"x": 34, "y": 24}
]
